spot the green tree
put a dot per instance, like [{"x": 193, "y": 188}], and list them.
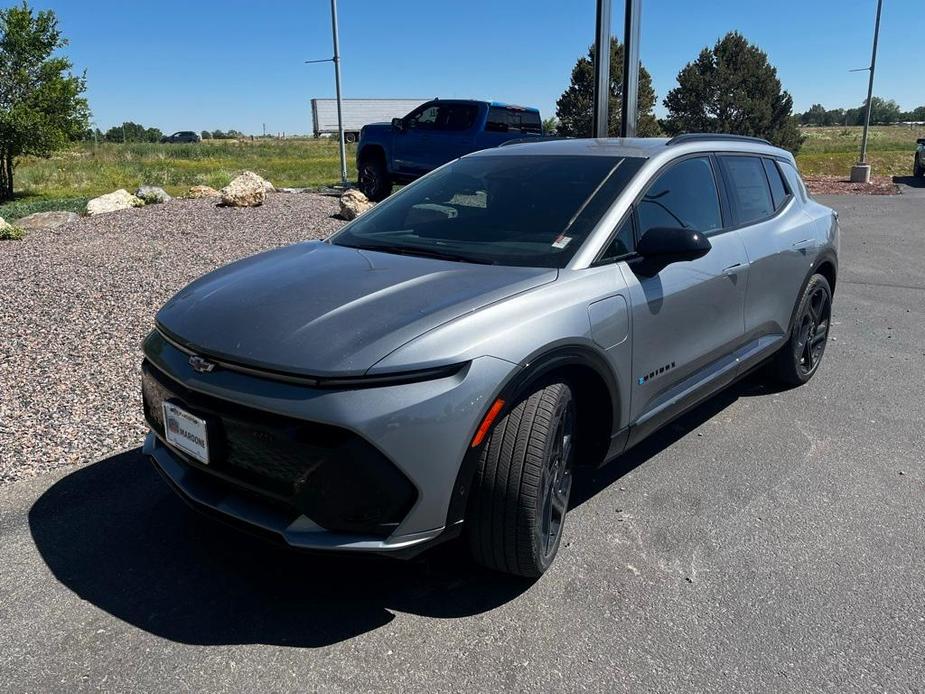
[
  {"x": 882, "y": 110},
  {"x": 573, "y": 109},
  {"x": 816, "y": 115},
  {"x": 205, "y": 135},
  {"x": 732, "y": 89},
  {"x": 550, "y": 125},
  {"x": 41, "y": 107}
]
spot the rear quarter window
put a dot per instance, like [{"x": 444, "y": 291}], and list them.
[
  {"x": 506, "y": 119},
  {"x": 748, "y": 188}
]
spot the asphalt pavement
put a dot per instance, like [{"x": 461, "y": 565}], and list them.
[{"x": 768, "y": 541}]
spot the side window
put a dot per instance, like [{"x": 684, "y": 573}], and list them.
[
  {"x": 778, "y": 189},
  {"x": 748, "y": 183},
  {"x": 456, "y": 116},
  {"x": 622, "y": 243},
  {"x": 425, "y": 118},
  {"x": 684, "y": 196},
  {"x": 793, "y": 179}
]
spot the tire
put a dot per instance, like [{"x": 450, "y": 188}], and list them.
[
  {"x": 374, "y": 179},
  {"x": 521, "y": 488},
  {"x": 799, "y": 359}
]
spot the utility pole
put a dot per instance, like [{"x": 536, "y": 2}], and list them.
[
  {"x": 860, "y": 172},
  {"x": 600, "y": 109},
  {"x": 629, "y": 113},
  {"x": 340, "y": 117}
]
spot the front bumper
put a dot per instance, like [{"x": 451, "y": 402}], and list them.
[
  {"x": 423, "y": 429},
  {"x": 206, "y": 494}
]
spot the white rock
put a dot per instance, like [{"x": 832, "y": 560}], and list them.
[
  {"x": 246, "y": 190},
  {"x": 112, "y": 202},
  {"x": 152, "y": 195},
  {"x": 353, "y": 203}
]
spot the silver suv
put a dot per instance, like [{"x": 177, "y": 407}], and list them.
[{"x": 440, "y": 365}]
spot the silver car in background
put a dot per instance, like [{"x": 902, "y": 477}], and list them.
[{"x": 443, "y": 363}]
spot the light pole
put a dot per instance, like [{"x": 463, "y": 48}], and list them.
[
  {"x": 629, "y": 114},
  {"x": 600, "y": 109},
  {"x": 600, "y": 116},
  {"x": 340, "y": 116},
  {"x": 860, "y": 172}
]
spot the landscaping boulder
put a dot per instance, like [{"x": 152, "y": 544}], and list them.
[
  {"x": 112, "y": 202},
  {"x": 267, "y": 186},
  {"x": 8, "y": 232},
  {"x": 353, "y": 203},
  {"x": 246, "y": 190},
  {"x": 202, "y": 192},
  {"x": 152, "y": 195},
  {"x": 46, "y": 220}
]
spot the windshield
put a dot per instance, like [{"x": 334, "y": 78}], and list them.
[{"x": 531, "y": 210}]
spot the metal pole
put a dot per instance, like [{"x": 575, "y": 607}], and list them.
[
  {"x": 870, "y": 85},
  {"x": 629, "y": 113},
  {"x": 600, "y": 109},
  {"x": 340, "y": 117}
]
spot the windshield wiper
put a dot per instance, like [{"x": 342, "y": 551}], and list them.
[{"x": 422, "y": 252}]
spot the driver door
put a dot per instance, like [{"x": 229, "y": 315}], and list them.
[
  {"x": 411, "y": 146},
  {"x": 688, "y": 318}
]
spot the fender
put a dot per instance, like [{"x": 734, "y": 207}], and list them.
[
  {"x": 825, "y": 256},
  {"x": 517, "y": 387}
]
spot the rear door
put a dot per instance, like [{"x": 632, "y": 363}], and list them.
[
  {"x": 687, "y": 320},
  {"x": 780, "y": 242}
]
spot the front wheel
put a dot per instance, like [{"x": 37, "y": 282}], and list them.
[
  {"x": 374, "y": 179},
  {"x": 799, "y": 359},
  {"x": 521, "y": 490}
]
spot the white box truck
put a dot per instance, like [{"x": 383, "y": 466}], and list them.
[{"x": 357, "y": 113}]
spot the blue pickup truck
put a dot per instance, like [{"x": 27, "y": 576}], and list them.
[{"x": 431, "y": 135}]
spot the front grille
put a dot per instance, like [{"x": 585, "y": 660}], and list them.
[{"x": 331, "y": 475}]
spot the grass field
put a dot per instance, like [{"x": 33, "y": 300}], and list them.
[
  {"x": 832, "y": 151},
  {"x": 69, "y": 178}
]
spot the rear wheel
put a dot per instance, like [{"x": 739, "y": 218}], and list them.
[
  {"x": 374, "y": 179},
  {"x": 521, "y": 490},
  {"x": 799, "y": 359}
]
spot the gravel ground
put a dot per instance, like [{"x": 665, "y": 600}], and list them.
[
  {"x": 77, "y": 301},
  {"x": 839, "y": 185}
]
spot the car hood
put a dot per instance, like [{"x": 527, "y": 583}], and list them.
[{"x": 321, "y": 310}]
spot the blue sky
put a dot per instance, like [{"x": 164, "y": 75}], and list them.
[{"x": 238, "y": 64}]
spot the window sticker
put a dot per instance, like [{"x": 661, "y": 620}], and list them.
[{"x": 561, "y": 241}]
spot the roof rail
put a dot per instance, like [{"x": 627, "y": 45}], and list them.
[
  {"x": 533, "y": 139},
  {"x": 696, "y": 137}
]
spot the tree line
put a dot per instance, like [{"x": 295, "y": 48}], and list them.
[{"x": 882, "y": 112}]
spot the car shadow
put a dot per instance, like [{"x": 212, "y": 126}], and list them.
[
  {"x": 911, "y": 181},
  {"x": 114, "y": 534}
]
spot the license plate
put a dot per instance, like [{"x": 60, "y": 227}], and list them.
[{"x": 186, "y": 432}]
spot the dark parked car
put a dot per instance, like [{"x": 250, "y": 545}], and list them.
[
  {"x": 182, "y": 136},
  {"x": 433, "y": 134},
  {"x": 918, "y": 166}
]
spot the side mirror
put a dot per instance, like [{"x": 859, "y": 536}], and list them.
[
  {"x": 661, "y": 246},
  {"x": 398, "y": 124}
]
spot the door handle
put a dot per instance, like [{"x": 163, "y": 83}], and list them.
[
  {"x": 732, "y": 269},
  {"x": 805, "y": 243}
]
